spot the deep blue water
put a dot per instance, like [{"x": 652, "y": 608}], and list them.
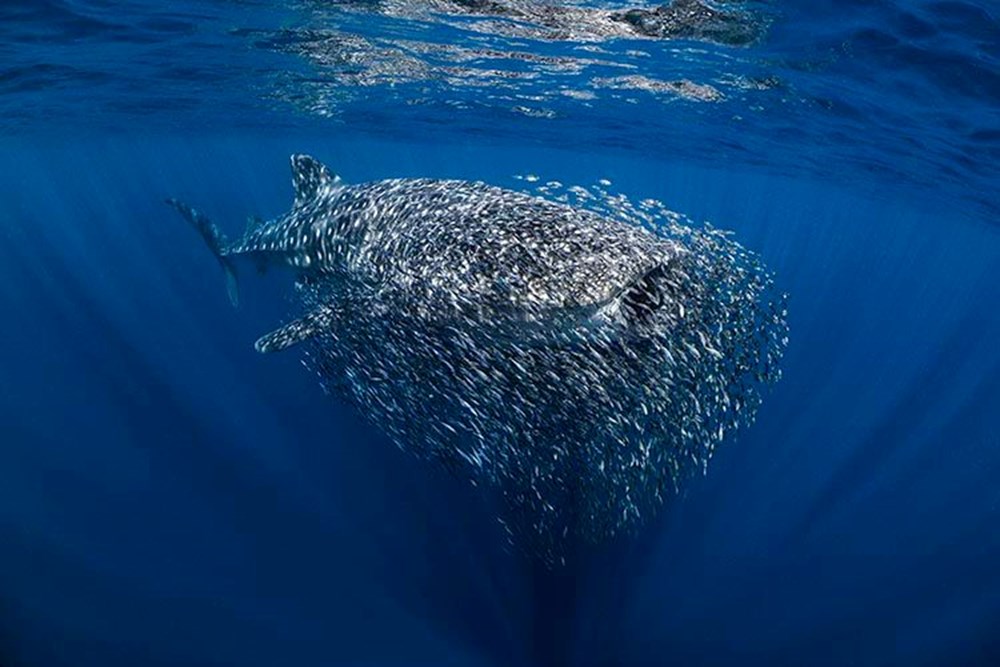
[{"x": 168, "y": 496}]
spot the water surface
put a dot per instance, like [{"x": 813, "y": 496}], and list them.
[{"x": 168, "y": 496}]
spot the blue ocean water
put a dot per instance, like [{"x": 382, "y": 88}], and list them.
[{"x": 169, "y": 496}]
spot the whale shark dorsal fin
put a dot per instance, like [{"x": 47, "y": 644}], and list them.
[{"x": 310, "y": 177}]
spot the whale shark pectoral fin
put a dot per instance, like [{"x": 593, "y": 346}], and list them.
[
  {"x": 294, "y": 332},
  {"x": 310, "y": 178},
  {"x": 291, "y": 334}
]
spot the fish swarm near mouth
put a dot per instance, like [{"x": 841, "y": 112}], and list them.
[{"x": 480, "y": 360}]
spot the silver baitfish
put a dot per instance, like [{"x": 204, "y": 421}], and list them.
[{"x": 579, "y": 364}]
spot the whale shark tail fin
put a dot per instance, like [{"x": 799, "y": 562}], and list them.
[{"x": 216, "y": 242}]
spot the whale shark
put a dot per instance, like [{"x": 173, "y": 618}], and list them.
[
  {"x": 580, "y": 364},
  {"x": 446, "y": 249}
]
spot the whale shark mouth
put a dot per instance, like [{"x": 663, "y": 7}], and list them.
[{"x": 642, "y": 299}]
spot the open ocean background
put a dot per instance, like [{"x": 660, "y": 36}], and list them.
[{"x": 170, "y": 497}]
